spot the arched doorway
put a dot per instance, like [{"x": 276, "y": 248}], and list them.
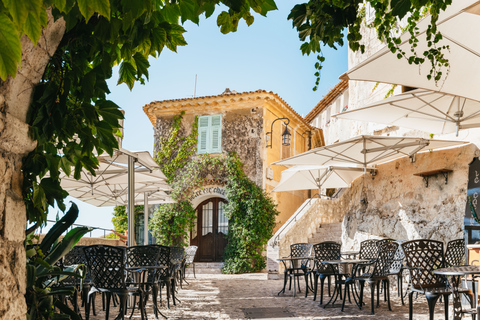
[{"x": 210, "y": 230}]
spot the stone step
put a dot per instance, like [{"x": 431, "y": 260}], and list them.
[{"x": 206, "y": 268}]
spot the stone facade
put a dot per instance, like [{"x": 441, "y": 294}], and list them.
[
  {"x": 241, "y": 133},
  {"x": 396, "y": 204},
  {"x": 246, "y": 119}
]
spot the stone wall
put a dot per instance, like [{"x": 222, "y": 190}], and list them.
[
  {"x": 241, "y": 133},
  {"x": 396, "y": 203}
]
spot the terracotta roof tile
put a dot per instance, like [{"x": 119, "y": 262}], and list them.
[
  {"x": 327, "y": 100},
  {"x": 226, "y": 93}
]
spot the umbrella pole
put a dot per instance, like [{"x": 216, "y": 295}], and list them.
[
  {"x": 145, "y": 218},
  {"x": 131, "y": 201}
]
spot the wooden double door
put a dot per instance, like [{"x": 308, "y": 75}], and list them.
[{"x": 210, "y": 230}]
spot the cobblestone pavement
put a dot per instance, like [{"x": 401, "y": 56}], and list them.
[{"x": 224, "y": 297}]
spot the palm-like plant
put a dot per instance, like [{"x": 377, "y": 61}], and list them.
[{"x": 44, "y": 278}]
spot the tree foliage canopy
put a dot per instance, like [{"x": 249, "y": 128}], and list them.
[
  {"x": 325, "y": 22},
  {"x": 71, "y": 118},
  {"x": 70, "y": 113}
]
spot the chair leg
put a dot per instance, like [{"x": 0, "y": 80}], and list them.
[
  {"x": 372, "y": 289},
  {"x": 294, "y": 285},
  {"x": 107, "y": 312},
  {"x": 362, "y": 284},
  {"x": 322, "y": 282},
  {"x": 445, "y": 297},
  {"x": 387, "y": 288},
  {"x": 378, "y": 294},
  {"x": 123, "y": 306},
  {"x": 400, "y": 287},
  {"x": 133, "y": 306},
  {"x": 87, "y": 305},
  {"x": 345, "y": 295},
  {"x": 306, "y": 284},
  {"x": 315, "y": 286},
  {"x": 432, "y": 300},
  {"x": 329, "y": 284}
]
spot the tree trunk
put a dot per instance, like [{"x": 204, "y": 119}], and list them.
[{"x": 15, "y": 99}]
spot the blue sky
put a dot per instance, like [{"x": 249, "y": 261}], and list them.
[{"x": 265, "y": 56}]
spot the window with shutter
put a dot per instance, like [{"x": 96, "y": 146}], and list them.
[{"x": 210, "y": 134}]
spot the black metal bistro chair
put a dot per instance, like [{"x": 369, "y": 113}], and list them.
[
  {"x": 455, "y": 253},
  {"x": 165, "y": 277},
  {"x": 177, "y": 255},
  {"x": 327, "y": 250},
  {"x": 421, "y": 258},
  {"x": 76, "y": 256},
  {"x": 141, "y": 257},
  {"x": 107, "y": 269},
  {"x": 189, "y": 260},
  {"x": 397, "y": 268},
  {"x": 297, "y": 268},
  {"x": 380, "y": 272}
]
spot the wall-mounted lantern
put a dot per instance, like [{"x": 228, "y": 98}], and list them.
[{"x": 286, "y": 136}]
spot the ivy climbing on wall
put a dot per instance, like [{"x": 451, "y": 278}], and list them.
[{"x": 250, "y": 210}]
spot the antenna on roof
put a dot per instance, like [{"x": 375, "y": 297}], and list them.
[{"x": 195, "y": 88}]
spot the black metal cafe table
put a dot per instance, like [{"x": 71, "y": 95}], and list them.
[
  {"x": 456, "y": 273},
  {"x": 348, "y": 267},
  {"x": 295, "y": 264}
]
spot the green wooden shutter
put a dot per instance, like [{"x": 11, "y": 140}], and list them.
[
  {"x": 203, "y": 124},
  {"x": 216, "y": 134}
]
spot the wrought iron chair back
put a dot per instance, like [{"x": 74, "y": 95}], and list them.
[
  {"x": 397, "y": 263},
  {"x": 386, "y": 256},
  {"x": 106, "y": 265},
  {"x": 141, "y": 256},
  {"x": 421, "y": 258},
  {"x": 328, "y": 250},
  {"x": 368, "y": 249},
  {"x": 298, "y": 250},
  {"x": 176, "y": 255},
  {"x": 75, "y": 256},
  {"x": 455, "y": 253},
  {"x": 190, "y": 254},
  {"x": 163, "y": 259}
]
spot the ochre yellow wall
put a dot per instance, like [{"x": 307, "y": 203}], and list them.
[{"x": 288, "y": 202}]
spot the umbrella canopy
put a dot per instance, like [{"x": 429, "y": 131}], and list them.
[
  {"x": 429, "y": 111},
  {"x": 120, "y": 180},
  {"x": 455, "y": 25},
  {"x": 366, "y": 150},
  {"x": 306, "y": 177}
]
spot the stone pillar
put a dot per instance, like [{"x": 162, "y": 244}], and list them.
[{"x": 15, "y": 143}]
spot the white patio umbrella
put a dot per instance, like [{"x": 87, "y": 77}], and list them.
[
  {"x": 306, "y": 177},
  {"x": 119, "y": 180},
  {"x": 458, "y": 26},
  {"x": 430, "y": 111},
  {"x": 366, "y": 150}
]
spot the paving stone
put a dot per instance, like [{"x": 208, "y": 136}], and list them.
[{"x": 219, "y": 296}]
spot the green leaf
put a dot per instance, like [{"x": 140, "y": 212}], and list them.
[
  {"x": 127, "y": 74},
  {"x": 18, "y": 11},
  {"x": 60, "y": 227},
  {"x": 89, "y": 7},
  {"x": 142, "y": 64},
  {"x": 400, "y": 7},
  {"x": 33, "y": 27},
  {"x": 67, "y": 243},
  {"x": 10, "y": 47},
  {"x": 61, "y": 5}
]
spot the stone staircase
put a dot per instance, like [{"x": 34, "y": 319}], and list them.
[
  {"x": 206, "y": 268},
  {"x": 327, "y": 232}
]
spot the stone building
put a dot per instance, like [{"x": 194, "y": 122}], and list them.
[
  {"x": 398, "y": 203},
  {"x": 250, "y": 124}
]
